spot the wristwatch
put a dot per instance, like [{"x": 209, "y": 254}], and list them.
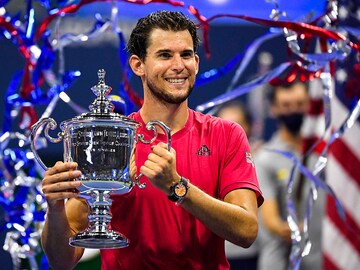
[{"x": 179, "y": 190}]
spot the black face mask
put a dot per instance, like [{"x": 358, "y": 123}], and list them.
[{"x": 292, "y": 122}]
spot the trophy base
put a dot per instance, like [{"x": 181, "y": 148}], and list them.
[
  {"x": 109, "y": 186},
  {"x": 99, "y": 240}
]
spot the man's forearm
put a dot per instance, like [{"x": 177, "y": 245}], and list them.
[
  {"x": 231, "y": 222},
  {"x": 55, "y": 242}
]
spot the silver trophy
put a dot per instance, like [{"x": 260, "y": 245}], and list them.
[{"x": 101, "y": 142}]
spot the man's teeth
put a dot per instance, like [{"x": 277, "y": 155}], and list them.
[{"x": 175, "y": 80}]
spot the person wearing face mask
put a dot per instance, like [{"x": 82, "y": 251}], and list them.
[{"x": 288, "y": 105}]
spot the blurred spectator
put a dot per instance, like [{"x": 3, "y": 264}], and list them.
[
  {"x": 238, "y": 257},
  {"x": 288, "y": 105},
  {"x": 236, "y": 111}
]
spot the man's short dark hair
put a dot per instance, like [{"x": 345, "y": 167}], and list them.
[
  {"x": 165, "y": 20},
  {"x": 235, "y": 103},
  {"x": 284, "y": 85}
]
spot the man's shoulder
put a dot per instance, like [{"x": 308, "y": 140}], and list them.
[
  {"x": 268, "y": 155},
  {"x": 264, "y": 151},
  {"x": 201, "y": 117},
  {"x": 133, "y": 115},
  {"x": 274, "y": 142}
]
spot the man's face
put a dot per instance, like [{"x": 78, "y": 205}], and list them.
[
  {"x": 170, "y": 66},
  {"x": 290, "y": 106},
  {"x": 290, "y": 100},
  {"x": 236, "y": 115}
]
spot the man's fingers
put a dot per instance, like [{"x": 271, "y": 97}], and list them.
[
  {"x": 155, "y": 157},
  {"x": 60, "y": 186},
  {"x": 61, "y": 167},
  {"x": 60, "y": 177},
  {"x": 51, "y": 197},
  {"x": 162, "y": 152}
]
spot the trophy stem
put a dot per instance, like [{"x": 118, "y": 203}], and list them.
[{"x": 98, "y": 235}]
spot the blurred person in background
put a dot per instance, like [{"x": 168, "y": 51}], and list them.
[
  {"x": 238, "y": 112},
  {"x": 288, "y": 105}
]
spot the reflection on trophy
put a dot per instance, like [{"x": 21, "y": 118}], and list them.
[{"x": 101, "y": 142}]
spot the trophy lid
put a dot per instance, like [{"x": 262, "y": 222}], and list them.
[{"x": 102, "y": 108}]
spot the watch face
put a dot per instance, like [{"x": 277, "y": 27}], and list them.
[{"x": 180, "y": 190}]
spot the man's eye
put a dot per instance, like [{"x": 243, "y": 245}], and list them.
[
  {"x": 187, "y": 55},
  {"x": 164, "y": 55}
]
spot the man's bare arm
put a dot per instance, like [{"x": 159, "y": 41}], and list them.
[
  {"x": 62, "y": 221},
  {"x": 234, "y": 219}
]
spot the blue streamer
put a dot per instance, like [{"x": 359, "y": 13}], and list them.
[
  {"x": 249, "y": 54},
  {"x": 44, "y": 3},
  {"x": 44, "y": 264},
  {"x": 353, "y": 31},
  {"x": 30, "y": 17},
  {"x": 216, "y": 73},
  {"x": 123, "y": 56},
  {"x": 267, "y": 77},
  {"x": 11, "y": 91},
  {"x": 293, "y": 223}
]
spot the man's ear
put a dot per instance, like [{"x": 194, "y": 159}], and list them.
[
  {"x": 197, "y": 61},
  {"x": 136, "y": 65}
]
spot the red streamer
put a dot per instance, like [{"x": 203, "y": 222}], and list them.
[
  {"x": 26, "y": 85},
  {"x": 28, "y": 115},
  {"x": 300, "y": 28},
  {"x": 75, "y": 7},
  {"x": 131, "y": 93},
  {"x": 15, "y": 34},
  {"x": 296, "y": 72}
]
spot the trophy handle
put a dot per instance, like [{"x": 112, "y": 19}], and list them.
[
  {"x": 50, "y": 124},
  {"x": 151, "y": 125}
]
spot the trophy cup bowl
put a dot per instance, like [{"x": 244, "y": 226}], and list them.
[{"x": 101, "y": 142}]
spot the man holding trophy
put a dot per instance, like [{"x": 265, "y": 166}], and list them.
[{"x": 201, "y": 190}]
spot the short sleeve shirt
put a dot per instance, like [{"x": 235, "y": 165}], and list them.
[{"x": 215, "y": 156}]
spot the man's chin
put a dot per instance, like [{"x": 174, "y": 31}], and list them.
[
  {"x": 168, "y": 97},
  {"x": 174, "y": 99}
]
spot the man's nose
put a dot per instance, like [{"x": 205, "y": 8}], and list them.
[{"x": 177, "y": 63}]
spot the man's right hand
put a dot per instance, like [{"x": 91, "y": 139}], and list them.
[{"x": 59, "y": 184}]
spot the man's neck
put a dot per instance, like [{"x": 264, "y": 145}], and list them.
[
  {"x": 295, "y": 141},
  {"x": 174, "y": 116}
]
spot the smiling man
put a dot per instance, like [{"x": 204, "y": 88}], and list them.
[{"x": 201, "y": 192}]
